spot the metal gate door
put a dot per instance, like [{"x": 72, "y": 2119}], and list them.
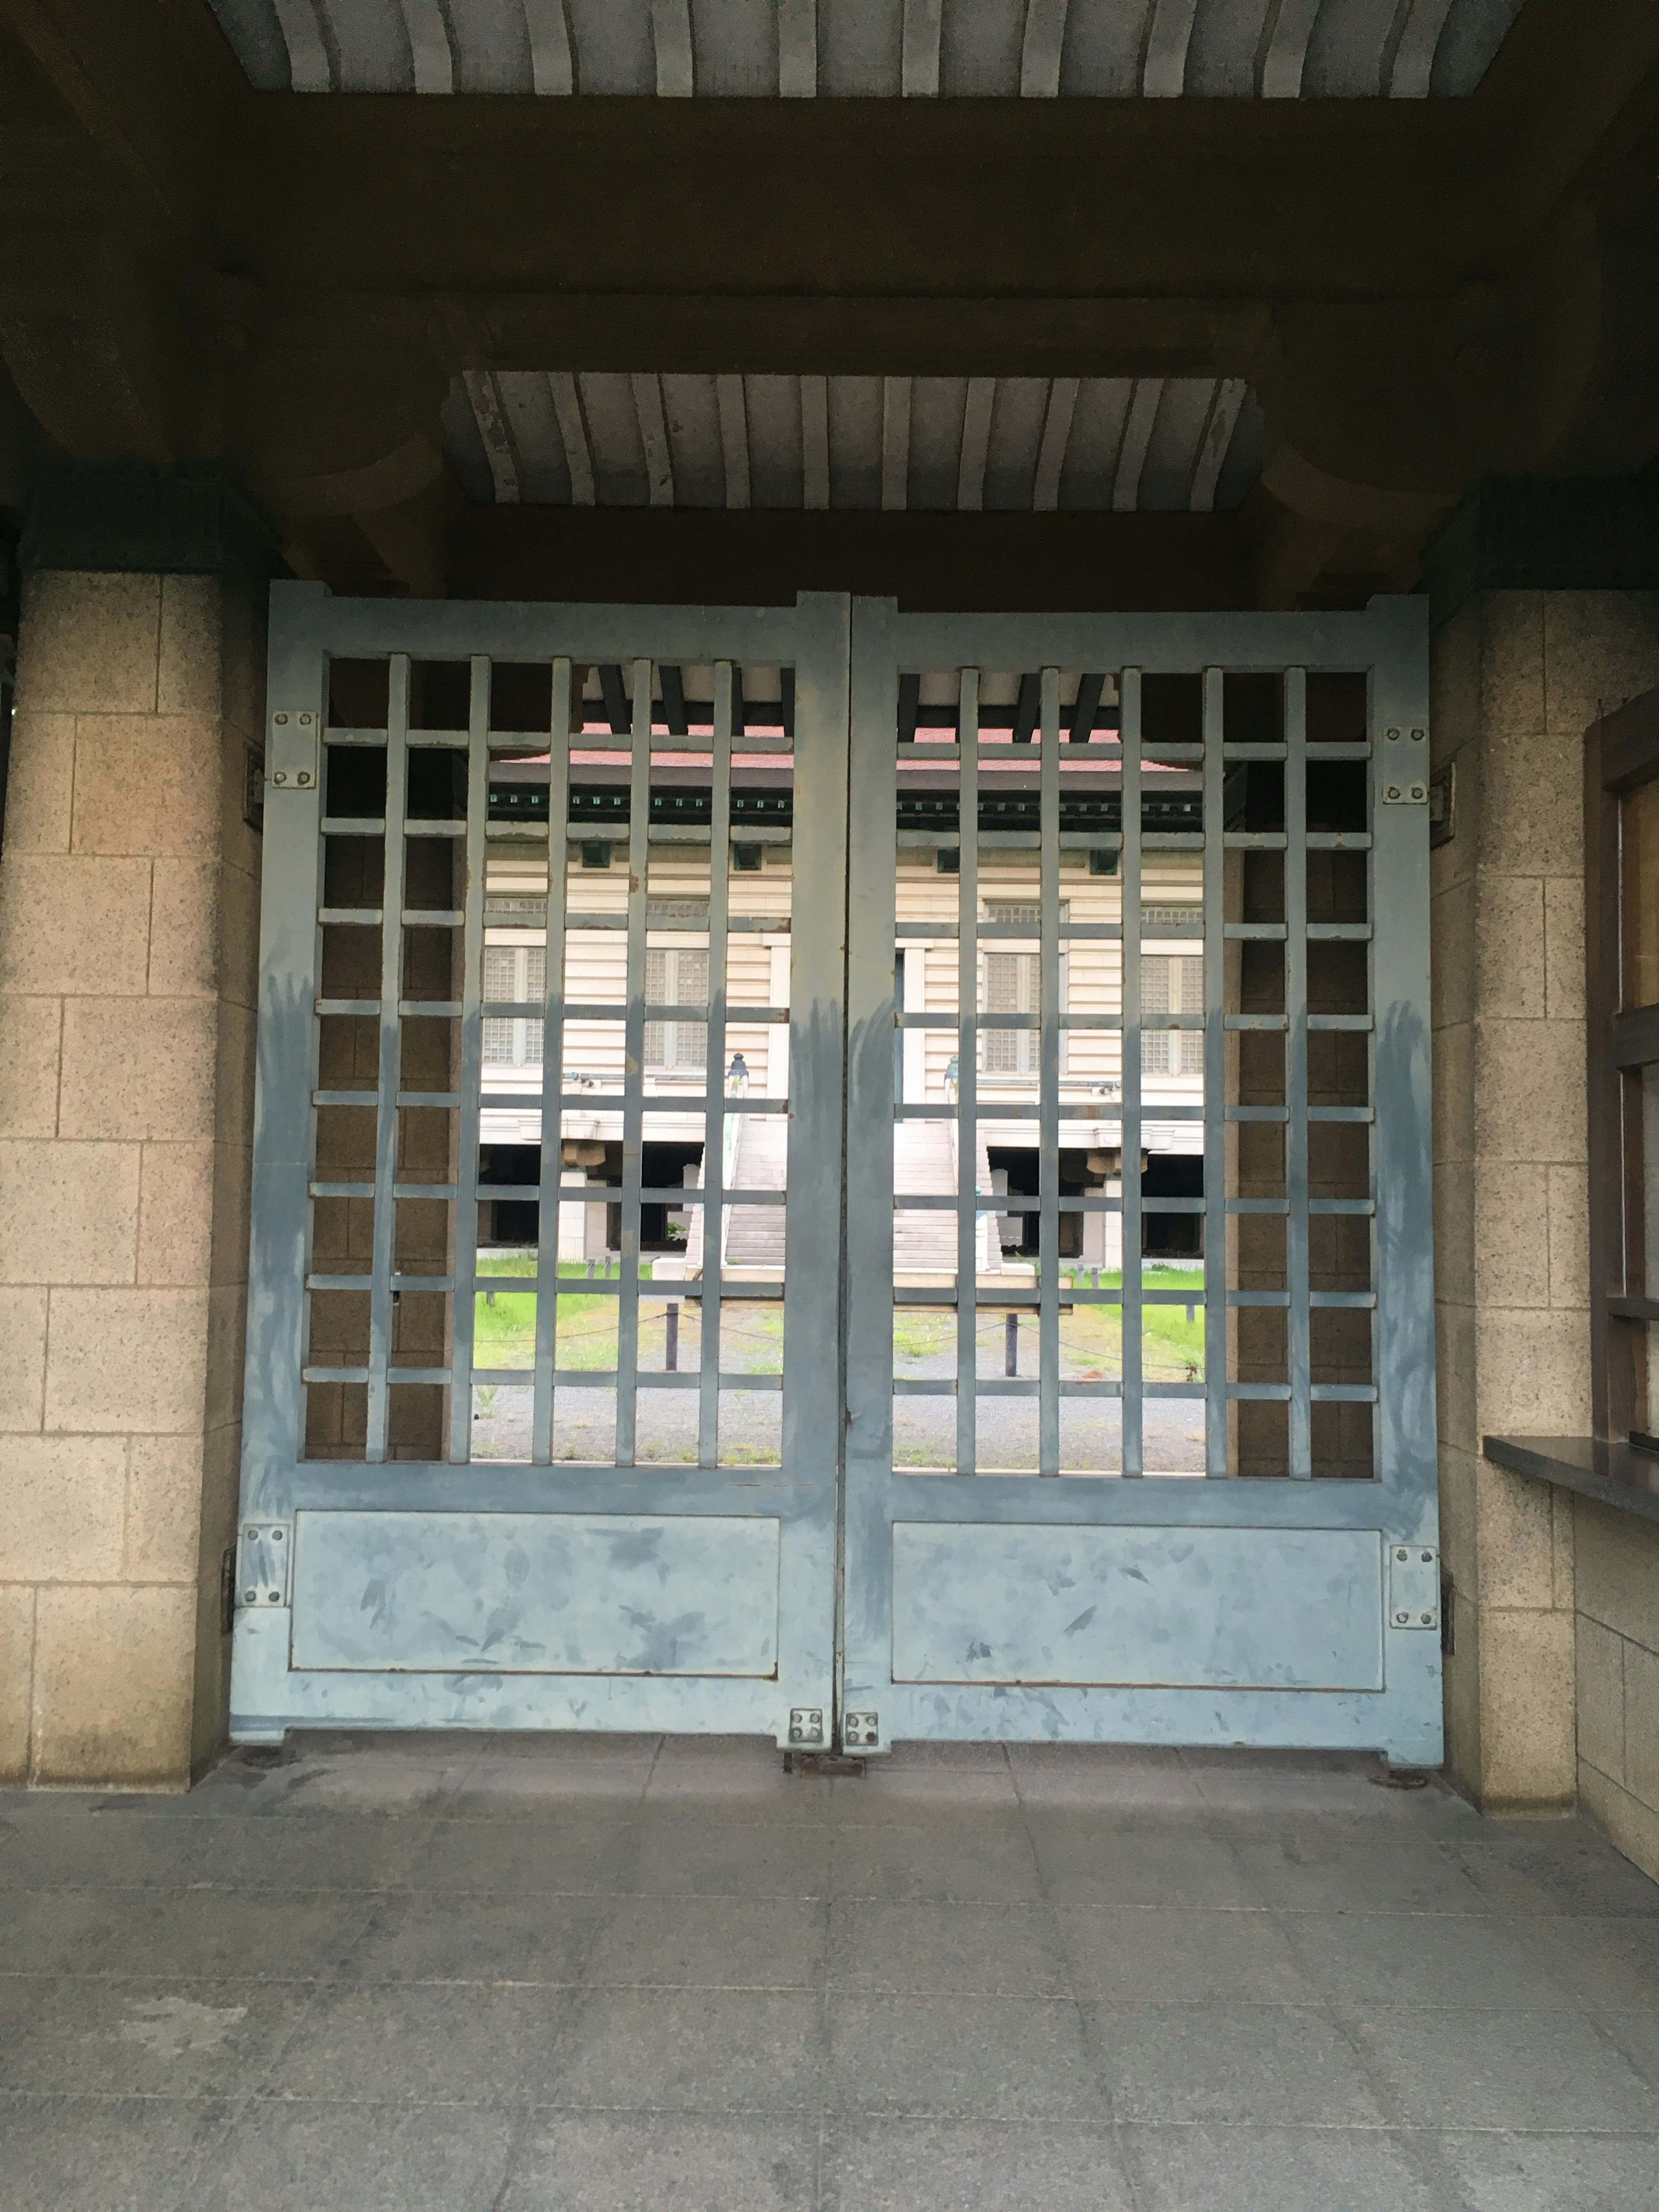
[
  {"x": 1103, "y": 1409},
  {"x": 541, "y": 1416},
  {"x": 1141, "y": 1438}
]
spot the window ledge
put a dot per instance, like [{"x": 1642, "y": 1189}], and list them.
[{"x": 1611, "y": 1473}]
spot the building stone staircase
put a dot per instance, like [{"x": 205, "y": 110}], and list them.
[
  {"x": 754, "y": 1234},
  {"x": 924, "y": 1164}
]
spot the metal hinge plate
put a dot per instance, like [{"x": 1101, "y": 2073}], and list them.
[
  {"x": 806, "y": 1724},
  {"x": 1413, "y": 1586},
  {"x": 1404, "y": 778},
  {"x": 291, "y": 753},
  {"x": 861, "y": 1731},
  {"x": 262, "y": 1564}
]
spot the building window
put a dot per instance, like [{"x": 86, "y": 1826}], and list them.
[
  {"x": 1012, "y": 985},
  {"x": 513, "y": 975},
  {"x": 1170, "y": 985},
  {"x": 676, "y": 977},
  {"x": 1621, "y": 915}
]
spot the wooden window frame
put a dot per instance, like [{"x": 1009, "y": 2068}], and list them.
[{"x": 1621, "y": 753}]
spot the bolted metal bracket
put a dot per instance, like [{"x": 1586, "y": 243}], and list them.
[
  {"x": 291, "y": 752},
  {"x": 262, "y": 1564},
  {"x": 1413, "y": 1586},
  {"x": 806, "y": 1725},
  {"x": 861, "y": 1731},
  {"x": 1404, "y": 769}
]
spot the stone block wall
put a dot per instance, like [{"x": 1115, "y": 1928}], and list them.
[
  {"x": 1618, "y": 1618},
  {"x": 1517, "y": 679},
  {"x": 129, "y": 929}
]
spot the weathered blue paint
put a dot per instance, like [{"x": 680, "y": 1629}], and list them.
[
  {"x": 627, "y": 1596},
  {"x": 1261, "y": 1617},
  {"x": 1154, "y": 1610},
  {"x": 1200, "y": 1608},
  {"x": 536, "y": 1594}
]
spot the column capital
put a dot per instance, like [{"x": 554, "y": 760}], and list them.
[
  {"x": 137, "y": 519},
  {"x": 1545, "y": 534}
]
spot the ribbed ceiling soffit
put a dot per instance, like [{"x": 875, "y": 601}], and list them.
[
  {"x": 932, "y": 444},
  {"x": 880, "y": 49}
]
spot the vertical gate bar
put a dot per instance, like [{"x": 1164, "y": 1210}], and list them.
[
  {"x": 639, "y": 865},
  {"x": 550, "y": 1213},
  {"x": 289, "y": 1036},
  {"x": 814, "y": 1408},
  {"x": 714, "y": 1136},
  {"x": 876, "y": 671},
  {"x": 1129, "y": 871},
  {"x": 1296, "y": 1065},
  {"x": 1048, "y": 1083},
  {"x": 967, "y": 1073},
  {"x": 1403, "y": 1246},
  {"x": 465, "y": 1238},
  {"x": 391, "y": 1069},
  {"x": 1215, "y": 1080}
]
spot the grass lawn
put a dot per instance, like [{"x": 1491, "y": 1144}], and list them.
[
  {"x": 504, "y": 1325},
  {"x": 1171, "y": 1346}
]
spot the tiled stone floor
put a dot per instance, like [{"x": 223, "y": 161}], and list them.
[{"x": 596, "y": 1974}]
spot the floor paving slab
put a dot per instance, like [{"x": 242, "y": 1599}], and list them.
[
  {"x": 1551, "y": 2172},
  {"x": 1560, "y": 1867},
  {"x": 722, "y": 1942},
  {"x": 87, "y": 2035},
  {"x": 987, "y": 1858},
  {"x": 1174, "y": 1863},
  {"x": 307, "y": 2156},
  {"x": 1455, "y": 2066},
  {"x": 973, "y": 2165},
  {"x": 573, "y": 1857},
  {"x": 495, "y": 1936},
  {"x": 518, "y": 1789},
  {"x": 1338, "y": 1867},
  {"x": 1265, "y": 2169},
  {"x": 318, "y": 1851},
  {"x": 716, "y": 1857},
  {"x": 1139, "y": 1954},
  {"x": 1604, "y": 1963},
  {"x": 104, "y": 2153},
  {"x": 1231, "y": 2063},
  {"x": 609, "y": 1974},
  {"x": 260, "y": 1933},
  {"x": 424, "y": 2043},
  {"x": 663, "y": 2162},
  {"x": 704, "y": 2050},
  {"x": 69, "y": 1849},
  {"x": 982, "y": 2057},
  {"x": 1423, "y": 1958},
  {"x": 960, "y": 1949}
]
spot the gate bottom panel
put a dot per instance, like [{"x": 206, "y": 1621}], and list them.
[
  {"x": 1403, "y": 1723},
  {"x": 1179, "y": 1608},
  {"x": 269, "y": 1697},
  {"x": 537, "y": 1593}
]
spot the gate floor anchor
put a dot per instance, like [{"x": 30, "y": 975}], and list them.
[
  {"x": 822, "y": 1762},
  {"x": 1400, "y": 1777}
]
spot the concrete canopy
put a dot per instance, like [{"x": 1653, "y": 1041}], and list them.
[
  {"x": 873, "y": 49},
  {"x": 1415, "y": 292}
]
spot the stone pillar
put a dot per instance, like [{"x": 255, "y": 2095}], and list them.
[
  {"x": 1518, "y": 676},
  {"x": 129, "y": 927}
]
